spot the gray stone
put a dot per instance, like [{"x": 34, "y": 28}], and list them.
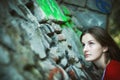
[
  {"x": 10, "y": 73},
  {"x": 4, "y": 56}
]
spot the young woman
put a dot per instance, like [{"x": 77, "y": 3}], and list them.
[{"x": 100, "y": 48}]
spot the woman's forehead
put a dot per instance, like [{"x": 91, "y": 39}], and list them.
[{"x": 88, "y": 37}]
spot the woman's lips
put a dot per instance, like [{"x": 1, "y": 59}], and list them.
[{"x": 86, "y": 55}]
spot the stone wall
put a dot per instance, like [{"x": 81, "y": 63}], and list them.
[{"x": 33, "y": 48}]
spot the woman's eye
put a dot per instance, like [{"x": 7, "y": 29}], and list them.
[{"x": 90, "y": 43}]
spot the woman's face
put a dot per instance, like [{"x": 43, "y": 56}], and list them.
[{"x": 91, "y": 48}]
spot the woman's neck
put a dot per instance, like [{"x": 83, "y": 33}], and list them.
[{"x": 100, "y": 62}]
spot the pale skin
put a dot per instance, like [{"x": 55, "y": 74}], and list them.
[{"x": 93, "y": 51}]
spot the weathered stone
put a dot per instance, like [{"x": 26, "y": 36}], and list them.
[
  {"x": 31, "y": 49},
  {"x": 61, "y": 37},
  {"x": 56, "y": 28},
  {"x": 10, "y": 73},
  {"x": 4, "y": 56},
  {"x": 76, "y": 2}
]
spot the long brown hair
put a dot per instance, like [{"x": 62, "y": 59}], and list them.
[{"x": 103, "y": 37}]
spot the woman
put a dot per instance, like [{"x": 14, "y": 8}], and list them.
[{"x": 100, "y": 48}]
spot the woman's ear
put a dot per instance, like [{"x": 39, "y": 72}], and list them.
[{"x": 105, "y": 49}]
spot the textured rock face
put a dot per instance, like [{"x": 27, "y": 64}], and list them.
[{"x": 34, "y": 49}]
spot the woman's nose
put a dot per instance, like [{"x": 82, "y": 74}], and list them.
[{"x": 85, "y": 48}]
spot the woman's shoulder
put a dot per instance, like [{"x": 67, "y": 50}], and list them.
[
  {"x": 114, "y": 64},
  {"x": 113, "y": 70}
]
